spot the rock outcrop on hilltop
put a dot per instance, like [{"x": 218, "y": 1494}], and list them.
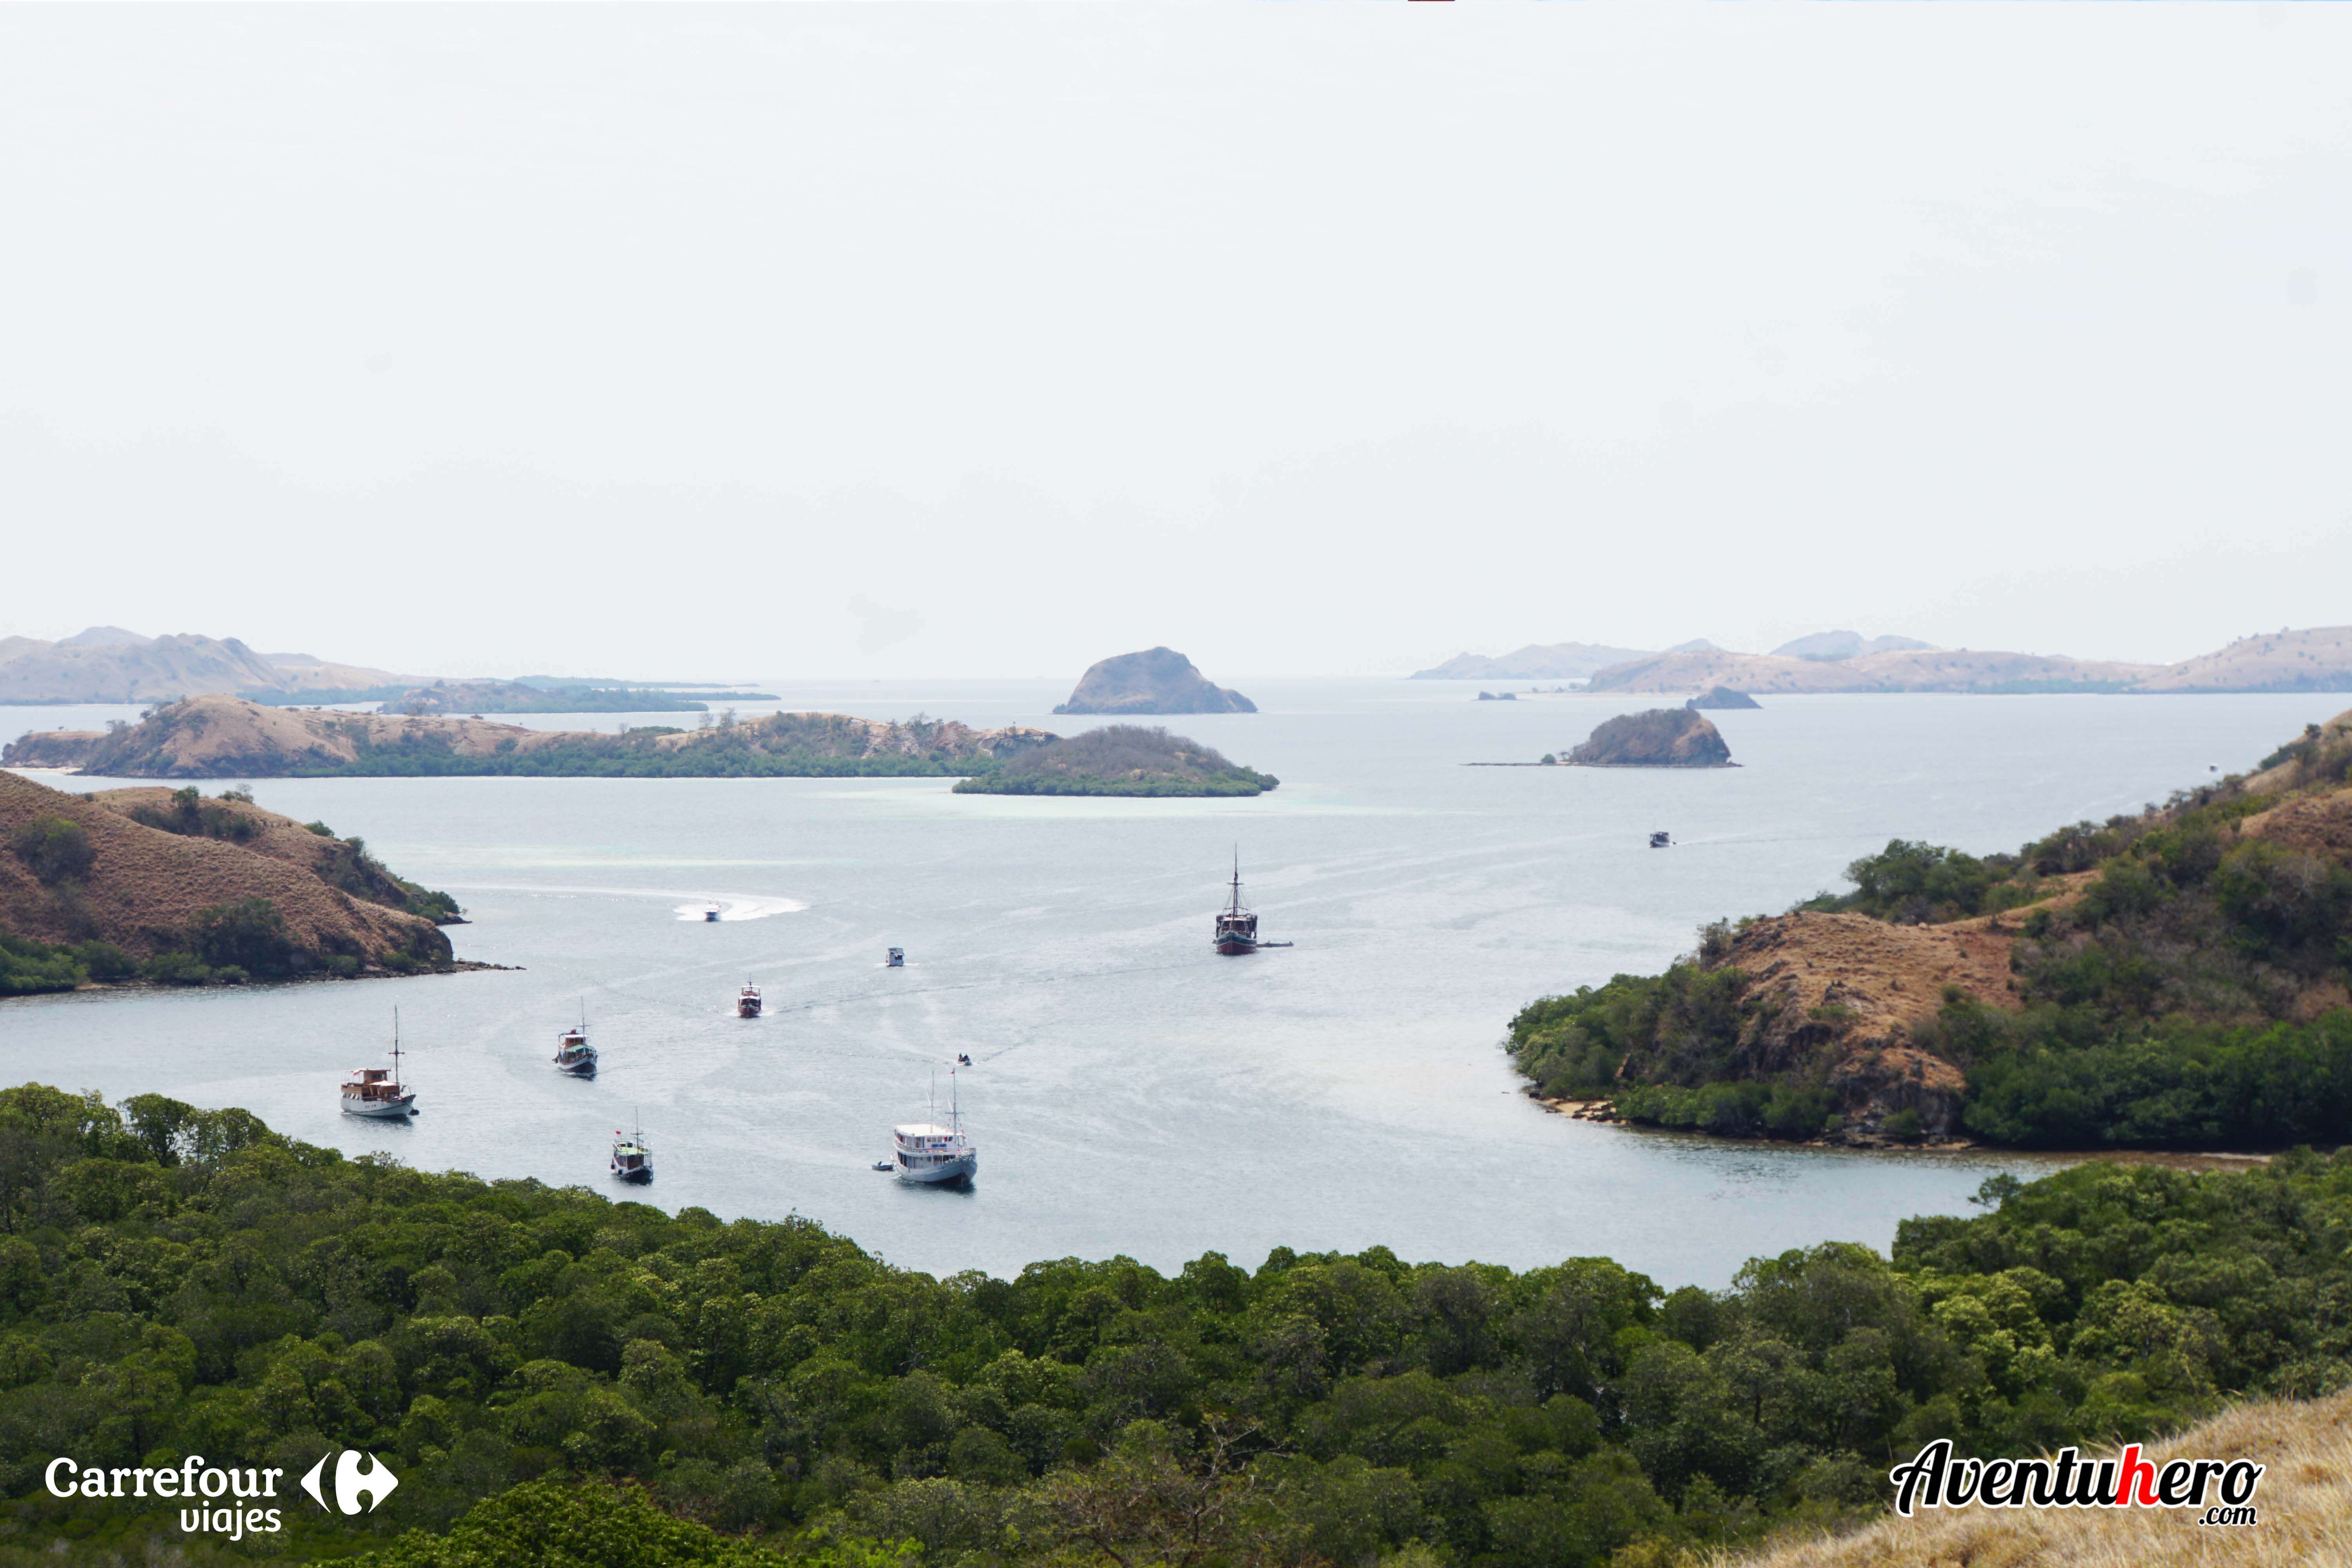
[
  {"x": 107, "y": 664},
  {"x": 112, "y": 896},
  {"x": 228, "y": 737},
  {"x": 1661, "y": 738},
  {"x": 1157, "y": 680},
  {"x": 1722, "y": 698}
]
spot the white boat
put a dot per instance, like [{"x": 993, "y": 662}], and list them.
[
  {"x": 377, "y": 1092},
  {"x": 633, "y": 1160},
  {"x": 932, "y": 1154},
  {"x": 573, "y": 1054},
  {"x": 710, "y": 911}
]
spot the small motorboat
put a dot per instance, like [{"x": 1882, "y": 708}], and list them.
[
  {"x": 632, "y": 1160},
  {"x": 962, "y": 1060},
  {"x": 897, "y": 959},
  {"x": 377, "y": 1093},
  {"x": 746, "y": 1001},
  {"x": 1661, "y": 840},
  {"x": 710, "y": 911},
  {"x": 573, "y": 1054},
  {"x": 883, "y": 1165}
]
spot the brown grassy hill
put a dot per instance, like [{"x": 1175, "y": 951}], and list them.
[
  {"x": 2304, "y": 1505},
  {"x": 107, "y": 664},
  {"x": 51, "y": 748},
  {"x": 229, "y": 737},
  {"x": 341, "y": 863},
  {"x": 147, "y": 892},
  {"x": 2318, "y": 658}
]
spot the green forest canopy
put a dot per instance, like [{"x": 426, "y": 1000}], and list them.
[{"x": 542, "y": 1366}]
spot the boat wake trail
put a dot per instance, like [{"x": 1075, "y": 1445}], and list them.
[{"x": 743, "y": 908}]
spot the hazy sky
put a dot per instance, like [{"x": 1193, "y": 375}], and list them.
[{"x": 992, "y": 339}]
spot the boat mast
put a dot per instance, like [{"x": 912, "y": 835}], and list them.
[
  {"x": 1236, "y": 906},
  {"x": 396, "y": 1050}
]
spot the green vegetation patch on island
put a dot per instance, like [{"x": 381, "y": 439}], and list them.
[
  {"x": 2175, "y": 979},
  {"x": 545, "y": 1369},
  {"x": 1120, "y": 759}
]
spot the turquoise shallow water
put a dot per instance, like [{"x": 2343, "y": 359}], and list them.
[{"x": 1132, "y": 1092}]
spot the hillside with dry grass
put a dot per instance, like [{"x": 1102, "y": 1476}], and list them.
[
  {"x": 205, "y": 890},
  {"x": 2178, "y": 978},
  {"x": 2303, "y": 1511}
]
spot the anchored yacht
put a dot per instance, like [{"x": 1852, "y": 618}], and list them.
[
  {"x": 377, "y": 1092},
  {"x": 632, "y": 1160},
  {"x": 573, "y": 1054},
  {"x": 935, "y": 1155}
]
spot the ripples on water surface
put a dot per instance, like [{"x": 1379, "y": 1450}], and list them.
[{"x": 1132, "y": 1092}]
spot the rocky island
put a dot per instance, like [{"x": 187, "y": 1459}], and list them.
[
  {"x": 1157, "y": 680},
  {"x": 1661, "y": 738},
  {"x": 1120, "y": 759},
  {"x": 1722, "y": 697},
  {"x": 169, "y": 886}
]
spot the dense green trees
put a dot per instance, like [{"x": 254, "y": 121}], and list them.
[{"x": 176, "y": 1282}]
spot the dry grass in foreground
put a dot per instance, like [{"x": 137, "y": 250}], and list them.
[{"x": 2305, "y": 1506}]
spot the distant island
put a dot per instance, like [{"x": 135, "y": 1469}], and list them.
[
  {"x": 2173, "y": 978},
  {"x": 1661, "y": 738},
  {"x": 1722, "y": 697},
  {"x": 1536, "y": 661},
  {"x": 445, "y": 697},
  {"x": 1157, "y": 680},
  {"x": 2317, "y": 659},
  {"x": 1845, "y": 644},
  {"x": 107, "y": 664},
  {"x": 1120, "y": 759},
  {"x": 231, "y": 737},
  {"x": 168, "y": 886}
]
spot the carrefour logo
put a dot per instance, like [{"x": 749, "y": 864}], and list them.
[
  {"x": 352, "y": 1483},
  {"x": 229, "y": 1501}
]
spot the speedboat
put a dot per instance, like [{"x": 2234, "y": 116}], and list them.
[
  {"x": 710, "y": 911},
  {"x": 377, "y": 1092},
  {"x": 933, "y": 1155}
]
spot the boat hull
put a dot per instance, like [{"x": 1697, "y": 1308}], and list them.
[
  {"x": 1234, "y": 946},
  {"x": 578, "y": 1070},
  {"x": 747, "y": 1009},
  {"x": 945, "y": 1172},
  {"x": 639, "y": 1176},
  {"x": 382, "y": 1110}
]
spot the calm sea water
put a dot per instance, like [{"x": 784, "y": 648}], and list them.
[{"x": 1131, "y": 1093}]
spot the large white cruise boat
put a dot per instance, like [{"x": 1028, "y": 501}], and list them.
[{"x": 935, "y": 1156}]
